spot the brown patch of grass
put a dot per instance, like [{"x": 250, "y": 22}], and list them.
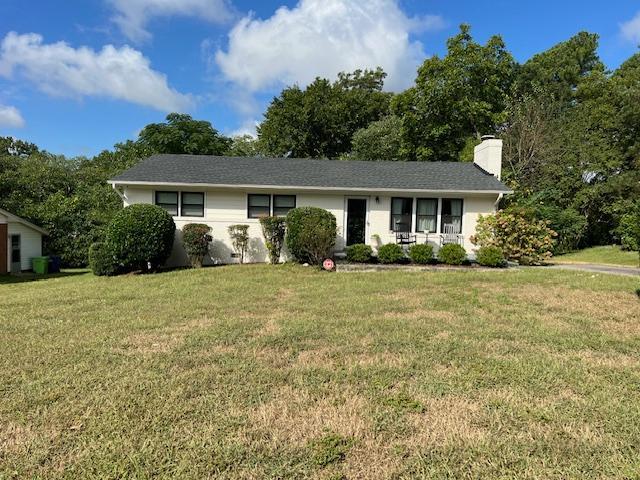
[
  {"x": 149, "y": 343},
  {"x": 446, "y": 420},
  {"x": 15, "y": 437},
  {"x": 294, "y": 416}
]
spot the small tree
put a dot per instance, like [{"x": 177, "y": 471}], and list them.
[
  {"x": 273, "y": 230},
  {"x": 239, "y": 239},
  {"x": 311, "y": 234},
  {"x": 520, "y": 237},
  {"x": 196, "y": 241}
]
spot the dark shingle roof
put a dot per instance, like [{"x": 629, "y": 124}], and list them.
[{"x": 296, "y": 172}]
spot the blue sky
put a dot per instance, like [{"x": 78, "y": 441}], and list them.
[{"x": 80, "y": 75}]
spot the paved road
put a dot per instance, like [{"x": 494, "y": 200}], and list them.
[{"x": 593, "y": 267}]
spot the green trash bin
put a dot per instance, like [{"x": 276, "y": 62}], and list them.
[{"x": 40, "y": 265}]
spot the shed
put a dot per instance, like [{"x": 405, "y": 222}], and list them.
[{"x": 20, "y": 242}]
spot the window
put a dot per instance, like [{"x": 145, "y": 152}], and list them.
[
  {"x": 282, "y": 204},
  {"x": 192, "y": 204},
  {"x": 168, "y": 201},
  {"x": 452, "y": 214},
  {"x": 15, "y": 249},
  {"x": 259, "y": 206},
  {"x": 401, "y": 212},
  {"x": 427, "y": 215}
]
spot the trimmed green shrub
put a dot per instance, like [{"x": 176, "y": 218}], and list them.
[
  {"x": 629, "y": 228},
  {"x": 421, "y": 253},
  {"x": 311, "y": 234},
  {"x": 273, "y": 230},
  {"x": 101, "y": 260},
  {"x": 390, "y": 253},
  {"x": 521, "y": 237},
  {"x": 490, "y": 256},
  {"x": 359, "y": 253},
  {"x": 239, "y": 239},
  {"x": 196, "y": 241},
  {"x": 141, "y": 236},
  {"x": 452, "y": 254}
]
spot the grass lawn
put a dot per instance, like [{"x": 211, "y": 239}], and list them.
[
  {"x": 608, "y": 255},
  {"x": 286, "y": 372}
]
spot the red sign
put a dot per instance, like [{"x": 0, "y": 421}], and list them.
[{"x": 329, "y": 265}]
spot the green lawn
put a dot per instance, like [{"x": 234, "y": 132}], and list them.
[
  {"x": 607, "y": 255},
  {"x": 287, "y": 372}
]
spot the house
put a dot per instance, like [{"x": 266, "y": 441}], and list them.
[
  {"x": 373, "y": 202},
  {"x": 20, "y": 242}
]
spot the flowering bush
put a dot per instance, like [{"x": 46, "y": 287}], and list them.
[{"x": 521, "y": 238}]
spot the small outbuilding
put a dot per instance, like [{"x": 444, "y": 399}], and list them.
[{"x": 20, "y": 242}]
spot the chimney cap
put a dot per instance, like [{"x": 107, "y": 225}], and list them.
[{"x": 487, "y": 137}]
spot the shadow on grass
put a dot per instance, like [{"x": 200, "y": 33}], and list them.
[{"x": 34, "y": 277}]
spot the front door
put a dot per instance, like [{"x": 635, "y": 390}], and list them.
[
  {"x": 16, "y": 254},
  {"x": 356, "y": 220}
]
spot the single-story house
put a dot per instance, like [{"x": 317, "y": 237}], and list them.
[
  {"x": 374, "y": 202},
  {"x": 20, "y": 241}
]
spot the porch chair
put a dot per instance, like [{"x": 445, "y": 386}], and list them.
[
  {"x": 405, "y": 238},
  {"x": 450, "y": 235}
]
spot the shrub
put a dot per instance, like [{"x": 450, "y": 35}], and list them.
[
  {"x": 520, "y": 237},
  {"x": 490, "y": 256},
  {"x": 359, "y": 253},
  {"x": 239, "y": 239},
  {"x": 141, "y": 236},
  {"x": 311, "y": 234},
  {"x": 421, "y": 253},
  {"x": 273, "y": 230},
  {"x": 101, "y": 260},
  {"x": 196, "y": 241},
  {"x": 629, "y": 228},
  {"x": 390, "y": 253},
  {"x": 452, "y": 254}
]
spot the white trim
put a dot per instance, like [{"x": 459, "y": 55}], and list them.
[
  {"x": 318, "y": 188},
  {"x": 14, "y": 218}
]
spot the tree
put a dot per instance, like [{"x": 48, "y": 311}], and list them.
[
  {"x": 559, "y": 70},
  {"x": 380, "y": 140},
  {"x": 320, "y": 120},
  {"x": 182, "y": 134},
  {"x": 244, "y": 146},
  {"x": 460, "y": 95}
]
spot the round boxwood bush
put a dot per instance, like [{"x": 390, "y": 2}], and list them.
[
  {"x": 311, "y": 234},
  {"x": 490, "y": 257},
  {"x": 452, "y": 254},
  {"x": 101, "y": 260},
  {"x": 359, "y": 253},
  {"x": 390, "y": 253},
  {"x": 141, "y": 236},
  {"x": 196, "y": 240},
  {"x": 421, "y": 253}
]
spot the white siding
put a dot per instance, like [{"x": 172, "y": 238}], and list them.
[
  {"x": 225, "y": 207},
  {"x": 30, "y": 244}
]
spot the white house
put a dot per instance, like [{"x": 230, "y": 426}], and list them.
[
  {"x": 20, "y": 241},
  {"x": 373, "y": 202}
]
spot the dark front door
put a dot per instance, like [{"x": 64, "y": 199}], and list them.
[
  {"x": 16, "y": 254},
  {"x": 356, "y": 220}
]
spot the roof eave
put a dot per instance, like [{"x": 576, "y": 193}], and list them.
[{"x": 115, "y": 182}]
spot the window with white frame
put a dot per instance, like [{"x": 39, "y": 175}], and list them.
[
  {"x": 427, "y": 215},
  {"x": 452, "y": 214}
]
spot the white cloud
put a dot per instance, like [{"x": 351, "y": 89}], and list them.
[
  {"x": 60, "y": 70},
  {"x": 631, "y": 30},
  {"x": 133, "y": 15},
  {"x": 322, "y": 38},
  {"x": 10, "y": 117}
]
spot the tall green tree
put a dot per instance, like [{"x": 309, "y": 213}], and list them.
[
  {"x": 182, "y": 134},
  {"x": 320, "y": 120},
  {"x": 459, "y": 95},
  {"x": 380, "y": 140}
]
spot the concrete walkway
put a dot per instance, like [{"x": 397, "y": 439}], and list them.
[{"x": 596, "y": 268}]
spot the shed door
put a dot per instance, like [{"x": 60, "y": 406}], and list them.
[{"x": 16, "y": 254}]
